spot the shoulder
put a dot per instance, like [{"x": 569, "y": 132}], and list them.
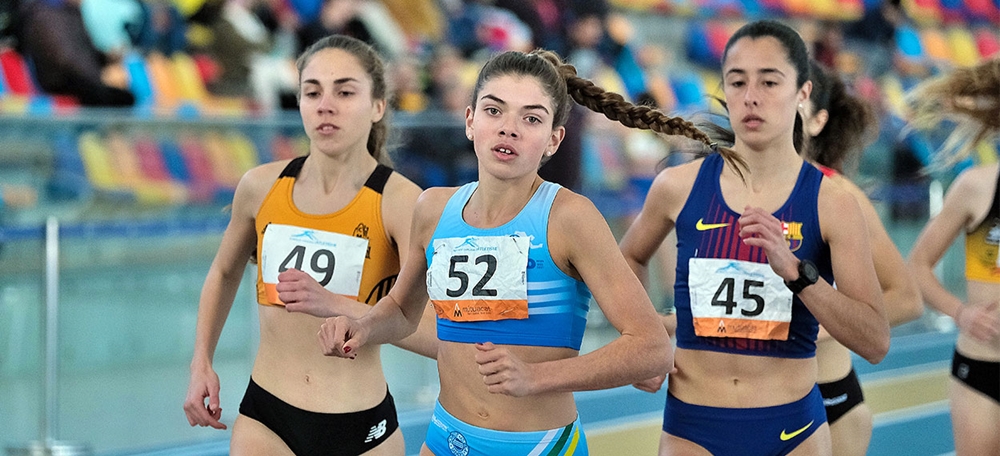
[
  {"x": 430, "y": 205},
  {"x": 257, "y": 181},
  {"x": 573, "y": 214},
  {"x": 979, "y": 181},
  {"x": 677, "y": 179},
  {"x": 398, "y": 187}
]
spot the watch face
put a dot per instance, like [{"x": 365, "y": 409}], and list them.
[{"x": 809, "y": 271}]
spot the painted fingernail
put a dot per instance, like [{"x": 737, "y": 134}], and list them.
[{"x": 347, "y": 349}]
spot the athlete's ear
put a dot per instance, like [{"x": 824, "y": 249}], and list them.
[
  {"x": 379, "y": 110},
  {"x": 469, "y": 132},
  {"x": 558, "y": 134}
]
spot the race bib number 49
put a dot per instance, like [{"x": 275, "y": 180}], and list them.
[
  {"x": 731, "y": 298},
  {"x": 479, "y": 278},
  {"x": 335, "y": 260}
]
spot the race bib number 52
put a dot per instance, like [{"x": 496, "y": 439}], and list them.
[
  {"x": 479, "y": 278},
  {"x": 335, "y": 260},
  {"x": 732, "y": 298}
]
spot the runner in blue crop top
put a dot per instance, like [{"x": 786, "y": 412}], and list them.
[
  {"x": 745, "y": 380},
  {"x": 557, "y": 303},
  {"x": 508, "y": 262}
]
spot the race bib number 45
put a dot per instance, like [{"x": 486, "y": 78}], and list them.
[
  {"x": 479, "y": 278},
  {"x": 731, "y": 298},
  {"x": 335, "y": 260}
]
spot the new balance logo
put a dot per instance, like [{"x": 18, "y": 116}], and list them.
[{"x": 376, "y": 432}]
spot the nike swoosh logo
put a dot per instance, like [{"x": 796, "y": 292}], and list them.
[
  {"x": 787, "y": 437},
  {"x": 700, "y": 226},
  {"x": 836, "y": 400}
]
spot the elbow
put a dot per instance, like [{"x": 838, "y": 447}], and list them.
[
  {"x": 661, "y": 355},
  {"x": 878, "y": 349}
]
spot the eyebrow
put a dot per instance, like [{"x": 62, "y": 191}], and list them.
[
  {"x": 335, "y": 82},
  {"x": 762, "y": 71},
  {"x": 528, "y": 107}
]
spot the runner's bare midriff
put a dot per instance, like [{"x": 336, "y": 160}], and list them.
[
  {"x": 465, "y": 396},
  {"x": 290, "y": 364},
  {"x": 740, "y": 381},
  {"x": 980, "y": 294}
]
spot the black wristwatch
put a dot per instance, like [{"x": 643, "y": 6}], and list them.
[{"x": 808, "y": 275}]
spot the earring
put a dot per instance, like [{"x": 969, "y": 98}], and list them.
[{"x": 800, "y": 107}]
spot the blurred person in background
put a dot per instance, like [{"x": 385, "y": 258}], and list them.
[
  {"x": 837, "y": 125},
  {"x": 968, "y": 99},
  {"x": 55, "y": 39}
]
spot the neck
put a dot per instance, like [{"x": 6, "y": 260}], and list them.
[
  {"x": 334, "y": 172},
  {"x": 496, "y": 202},
  {"x": 769, "y": 165}
]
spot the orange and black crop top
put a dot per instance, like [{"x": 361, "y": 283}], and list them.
[
  {"x": 981, "y": 244},
  {"x": 316, "y": 241}
]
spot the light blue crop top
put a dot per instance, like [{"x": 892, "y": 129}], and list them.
[{"x": 557, "y": 303}]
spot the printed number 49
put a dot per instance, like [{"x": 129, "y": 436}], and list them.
[
  {"x": 463, "y": 278},
  {"x": 728, "y": 285},
  {"x": 298, "y": 254}
]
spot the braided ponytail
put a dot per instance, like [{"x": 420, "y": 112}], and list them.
[{"x": 616, "y": 108}]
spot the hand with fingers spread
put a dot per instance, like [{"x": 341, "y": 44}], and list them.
[
  {"x": 979, "y": 321},
  {"x": 204, "y": 384},
  {"x": 503, "y": 372},
  {"x": 342, "y": 337},
  {"x": 759, "y": 228}
]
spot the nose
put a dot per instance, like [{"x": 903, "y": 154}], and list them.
[
  {"x": 751, "y": 97},
  {"x": 325, "y": 105},
  {"x": 508, "y": 130}
]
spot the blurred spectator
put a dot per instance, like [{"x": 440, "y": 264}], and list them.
[
  {"x": 406, "y": 82},
  {"x": 420, "y": 20},
  {"x": 828, "y": 44},
  {"x": 235, "y": 37},
  {"x": 65, "y": 59},
  {"x": 365, "y": 20},
  {"x": 10, "y": 20},
  {"x": 477, "y": 29},
  {"x": 873, "y": 36},
  {"x": 109, "y": 22},
  {"x": 162, "y": 29}
]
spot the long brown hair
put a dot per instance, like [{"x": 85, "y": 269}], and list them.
[
  {"x": 969, "y": 97},
  {"x": 373, "y": 65},
  {"x": 561, "y": 83}
]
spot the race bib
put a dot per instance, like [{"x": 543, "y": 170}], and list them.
[
  {"x": 335, "y": 260},
  {"x": 732, "y": 298},
  {"x": 479, "y": 278}
]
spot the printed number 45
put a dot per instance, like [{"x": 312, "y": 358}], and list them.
[
  {"x": 463, "y": 278},
  {"x": 728, "y": 286}
]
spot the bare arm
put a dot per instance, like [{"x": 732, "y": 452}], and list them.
[
  {"x": 853, "y": 313},
  {"x": 217, "y": 296},
  {"x": 580, "y": 237},
  {"x": 401, "y": 197},
  {"x": 399, "y": 313},
  {"x": 958, "y": 212},
  {"x": 900, "y": 294}
]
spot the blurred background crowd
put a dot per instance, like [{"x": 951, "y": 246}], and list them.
[{"x": 133, "y": 120}]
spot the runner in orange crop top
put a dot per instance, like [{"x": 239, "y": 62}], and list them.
[
  {"x": 971, "y": 98},
  {"x": 317, "y": 225}
]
